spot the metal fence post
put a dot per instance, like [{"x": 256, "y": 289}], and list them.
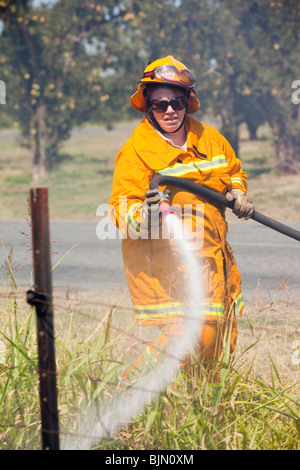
[{"x": 41, "y": 298}]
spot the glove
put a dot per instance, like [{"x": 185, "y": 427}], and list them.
[
  {"x": 243, "y": 207},
  {"x": 150, "y": 209}
]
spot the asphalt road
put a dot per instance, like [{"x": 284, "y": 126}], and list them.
[{"x": 263, "y": 256}]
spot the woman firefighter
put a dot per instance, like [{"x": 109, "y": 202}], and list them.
[{"x": 169, "y": 142}]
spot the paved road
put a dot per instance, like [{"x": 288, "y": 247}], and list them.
[{"x": 261, "y": 253}]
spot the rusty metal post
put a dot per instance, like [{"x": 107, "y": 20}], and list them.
[{"x": 41, "y": 298}]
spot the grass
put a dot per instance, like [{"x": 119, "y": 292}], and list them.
[
  {"x": 256, "y": 406},
  {"x": 273, "y": 195},
  {"x": 80, "y": 180}
]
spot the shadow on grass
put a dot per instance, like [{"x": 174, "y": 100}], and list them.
[
  {"x": 254, "y": 172},
  {"x": 60, "y": 158},
  {"x": 66, "y": 157},
  {"x": 106, "y": 172}
]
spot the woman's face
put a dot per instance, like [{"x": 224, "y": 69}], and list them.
[{"x": 169, "y": 120}]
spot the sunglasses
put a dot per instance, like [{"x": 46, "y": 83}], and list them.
[{"x": 161, "y": 106}]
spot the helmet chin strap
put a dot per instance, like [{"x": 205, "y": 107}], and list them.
[{"x": 159, "y": 128}]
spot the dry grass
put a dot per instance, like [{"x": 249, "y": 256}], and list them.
[
  {"x": 79, "y": 182},
  {"x": 257, "y": 406},
  {"x": 268, "y": 328},
  {"x": 276, "y": 196},
  {"x": 272, "y": 328}
]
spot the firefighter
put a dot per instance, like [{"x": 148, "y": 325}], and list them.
[{"x": 168, "y": 141}]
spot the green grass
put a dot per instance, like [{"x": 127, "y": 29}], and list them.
[
  {"x": 80, "y": 180},
  {"x": 257, "y": 156}
]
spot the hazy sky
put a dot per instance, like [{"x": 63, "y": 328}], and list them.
[{"x": 36, "y": 3}]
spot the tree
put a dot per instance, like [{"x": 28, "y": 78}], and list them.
[
  {"x": 55, "y": 63},
  {"x": 272, "y": 32},
  {"x": 211, "y": 43},
  {"x": 80, "y": 60},
  {"x": 147, "y": 32},
  {"x": 245, "y": 56}
]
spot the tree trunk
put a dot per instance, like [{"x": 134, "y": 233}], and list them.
[
  {"x": 231, "y": 133},
  {"x": 286, "y": 135},
  {"x": 40, "y": 161},
  {"x": 287, "y": 154},
  {"x": 252, "y": 128},
  {"x": 230, "y": 124}
]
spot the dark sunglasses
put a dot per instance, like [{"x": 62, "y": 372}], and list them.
[{"x": 161, "y": 106}]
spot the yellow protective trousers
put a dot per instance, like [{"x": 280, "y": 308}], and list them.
[{"x": 213, "y": 338}]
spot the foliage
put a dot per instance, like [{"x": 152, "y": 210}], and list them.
[
  {"x": 71, "y": 62},
  {"x": 272, "y": 31},
  {"x": 56, "y": 70},
  {"x": 246, "y": 56}
]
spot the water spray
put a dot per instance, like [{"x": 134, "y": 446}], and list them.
[{"x": 102, "y": 420}]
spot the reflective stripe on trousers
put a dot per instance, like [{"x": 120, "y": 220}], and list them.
[{"x": 160, "y": 311}]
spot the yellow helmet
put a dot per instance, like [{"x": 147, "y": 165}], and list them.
[{"x": 166, "y": 71}]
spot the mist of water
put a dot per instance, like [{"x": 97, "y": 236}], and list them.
[{"x": 103, "y": 420}]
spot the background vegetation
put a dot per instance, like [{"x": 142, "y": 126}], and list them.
[{"x": 69, "y": 62}]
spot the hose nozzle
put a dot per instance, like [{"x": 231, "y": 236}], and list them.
[{"x": 166, "y": 209}]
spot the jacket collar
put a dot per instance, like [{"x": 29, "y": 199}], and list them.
[{"x": 155, "y": 151}]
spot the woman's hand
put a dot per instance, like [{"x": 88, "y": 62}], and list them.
[
  {"x": 153, "y": 197},
  {"x": 243, "y": 207}
]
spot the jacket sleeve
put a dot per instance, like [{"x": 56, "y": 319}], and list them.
[
  {"x": 130, "y": 181},
  {"x": 237, "y": 175}
]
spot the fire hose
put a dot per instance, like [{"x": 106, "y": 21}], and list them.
[{"x": 213, "y": 196}]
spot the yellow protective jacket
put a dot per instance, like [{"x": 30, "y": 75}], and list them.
[{"x": 154, "y": 268}]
